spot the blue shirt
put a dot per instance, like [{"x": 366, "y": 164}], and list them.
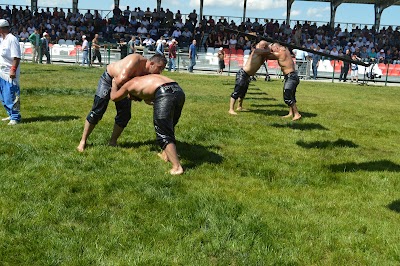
[{"x": 193, "y": 51}]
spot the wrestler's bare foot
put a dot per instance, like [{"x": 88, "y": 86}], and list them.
[
  {"x": 163, "y": 156},
  {"x": 287, "y": 116},
  {"x": 232, "y": 112},
  {"x": 81, "y": 146},
  {"x": 296, "y": 117},
  {"x": 177, "y": 171}
]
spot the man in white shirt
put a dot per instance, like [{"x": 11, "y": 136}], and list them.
[{"x": 9, "y": 73}]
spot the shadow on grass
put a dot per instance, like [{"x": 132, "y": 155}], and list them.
[
  {"x": 279, "y": 112},
  {"x": 341, "y": 143},
  {"x": 193, "y": 155},
  {"x": 269, "y": 105},
  {"x": 394, "y": 206},
  {"x": 256, "y": 93},
  {"x": 261, "y": 98},
  {"x": 56, "y": 118},
  {"x": 300, "y": 126},
  {"x": 373, "y": 166}
]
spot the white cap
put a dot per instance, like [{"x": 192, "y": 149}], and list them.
[
  {"x": 44, "y": 34},
  {"x": 4, "y": 23},
  {"x": 221, "y": 48},
  {"x": 83, "y": 36}
]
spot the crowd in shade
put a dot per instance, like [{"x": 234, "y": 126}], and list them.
[{"x": 147, "y": 26}]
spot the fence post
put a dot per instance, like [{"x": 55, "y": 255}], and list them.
[
  {"x": 387, "y": 73},
  {"x": 333, "y": 72}
]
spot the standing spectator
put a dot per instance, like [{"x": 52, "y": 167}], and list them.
[
  {"x": 85, "y": 51},
  {"x": 354, "y": 69},
  {"x": 193, "y": 17},
  {"x": 345, "y": 68},
  {"x": 45, "y": 47},
  {"x": 127, "y": 13},
  {"x": 34, "y": 38},
  {"x": 131, "y": 45},
  {"x": 172, "y": 55},
  {"x": 96, "y": 49},
  {"x": 221, "y": 58},
  {"x": 315, "y": 62},
  {"x": 192, "y": 56},
  {"x": 10, "y": 73}
]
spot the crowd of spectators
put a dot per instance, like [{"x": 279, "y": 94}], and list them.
[{"x": 369, "y": 44}]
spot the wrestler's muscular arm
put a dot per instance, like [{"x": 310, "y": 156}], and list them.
[{"x": 119, "y": 94}]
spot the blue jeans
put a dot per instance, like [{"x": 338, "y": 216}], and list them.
[
  {"x": 192, "y": 64},
  {"x": 9, "y": 94},
  {"x": 85, "y": 57},
  {"x": 171, "y": 64}
]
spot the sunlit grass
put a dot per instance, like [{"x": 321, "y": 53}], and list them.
[{"x": 258, "y": 189}]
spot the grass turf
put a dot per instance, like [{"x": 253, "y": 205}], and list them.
[{"x": 258, "y": 189}]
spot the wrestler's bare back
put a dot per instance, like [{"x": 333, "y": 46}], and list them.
[
  {"x": 255, "y": 60},
  {"x": 131, "y": 66},
  {"x": 144, "y": 87}
]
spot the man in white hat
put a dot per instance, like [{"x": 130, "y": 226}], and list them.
[
  {"x": 45, "y": 47},
  {"x": 85, "y": 51},
  {"x": 9, "y": 73}
]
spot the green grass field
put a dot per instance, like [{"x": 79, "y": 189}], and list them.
[{"x": 258, "y": 189}]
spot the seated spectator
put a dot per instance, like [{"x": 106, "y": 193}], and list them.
[
  {"x": 176, "y": 34},
  {"x": 179, "y": 24},
  {"x": 334, "y": 51},
  {"x": 153, "y": 33},
  {"x": 70, "y": 33},
  {"x": 141, "y": 30},
  {"x": 364, "y": 54},
  {"x": 209, "y": 42},
  {"x": 186, "y": 35},
  {"x": 388, "y": 57},
  {"x": 396, "y": 56},
  {"x": 240, "y": 43},
  {"x": 149, "y": 43},
  {"x": 381, "y": 56},
  {"x": 24, "y": 35},
  {"x": 232, "y": 42},
  {"x": 372, "y": 55}
]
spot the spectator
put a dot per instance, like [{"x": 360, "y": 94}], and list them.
[
  {"x": 232, "y": 42},
  {"x": 24, "y": 35},
  {"x": 149, "y": 43},
  {"x": 10, "y": 73},
  {"x": 345, "y": 68},
  {"x": 45, "y": 47},
  {"x": 85, "y": 51},
  {"x": 127, "y": 13},
  {"x": 142, "y": 30},
  {"x": 160, "y": 46},
  {"x": 131, "y": 45},
  {"x": 193, "y": 17},
  {"x": 381, "y": 56},
  {"x": 172, "y": 55},
  {"x": 221, "y": 62},
  {"x": 354, "y": 69},
  {"x": 34, "y": 38},
  {"x": 192, "y": 56},
  {"x": 372, "y": 55}
]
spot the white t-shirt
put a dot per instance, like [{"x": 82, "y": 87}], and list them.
[{"x": 9, "y": 48}]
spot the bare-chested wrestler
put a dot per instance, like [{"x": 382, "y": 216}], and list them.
[
  {"x": 168, "y": 99},
  {"x": 285, "y": 61},
  {"x": 116, "y": 75},
  {"x": 254, "y": 62}
]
